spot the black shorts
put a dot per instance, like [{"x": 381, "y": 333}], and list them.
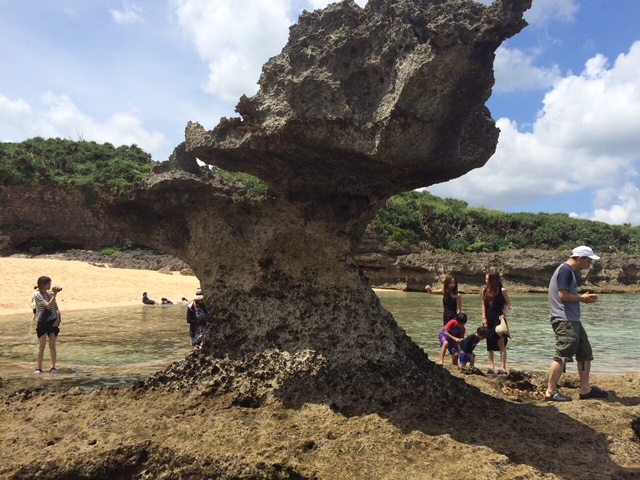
[{"x": 44, "y": 329}]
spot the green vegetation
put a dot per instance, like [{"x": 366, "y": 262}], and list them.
[
  {"x": 93, "y": 167},
  {"x": 16, "y": 227},
  {"x": 256, "y": 188},
  {"x": 450, "y": 225},
  {"x": 412, "y": 218}
]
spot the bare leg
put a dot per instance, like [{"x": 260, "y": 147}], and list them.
[
  {"x": 490, "y": 355},
  {"x": 53, "y": 350},
  {"x": 42, "y": 343},
  {"x": 555, "y": 371},
  {"x": 442, "y": 352},
  {"x": 503, "y": 354},
  {"x": 584, "y": 369}
]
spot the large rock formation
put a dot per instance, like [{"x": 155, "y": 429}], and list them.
[{"x": 361, "y": 104}]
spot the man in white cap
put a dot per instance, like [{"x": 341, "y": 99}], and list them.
[{"x": 571, "y": 338}]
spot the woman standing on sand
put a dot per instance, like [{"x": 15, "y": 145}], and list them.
[
  {"x": 495, "y": 302},
  {"x": 48, "y": 321},
  {"x": 451, "y": 299}
]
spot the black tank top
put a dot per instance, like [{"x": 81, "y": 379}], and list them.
[{"x": 450, "y": 306}]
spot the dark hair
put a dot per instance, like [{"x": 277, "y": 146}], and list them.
[
  {"x": 493, "y": 288},
  {"x": 42, "y": 281},
  {"x": 447, "y": 291},
  {"x": 482, "y": 331},
  {"x": 461, "y": 318}
]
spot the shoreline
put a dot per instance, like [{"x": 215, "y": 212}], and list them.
[{"x": 87, "y": 286}]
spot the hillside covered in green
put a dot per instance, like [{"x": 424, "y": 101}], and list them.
[
  {"x": 412, "y": 218},
  {"x": 69, "y": 163}
]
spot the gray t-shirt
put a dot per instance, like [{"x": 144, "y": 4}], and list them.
[{"x": 563, "y": 279}]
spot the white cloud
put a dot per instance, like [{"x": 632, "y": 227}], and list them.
[
  {"x": 544, "y": 11},
  {"x": 10, "y": 107},
  {"x": 130, "y": 13},
  {"x": 235, "y": 39},
  {"x": 615, "y": 205},
  {"x": 598, "y": 110},
  {"x": 514, "y": 70},
  {"x": 585, "y": 138},
  {"x": 60, "y": 117}
]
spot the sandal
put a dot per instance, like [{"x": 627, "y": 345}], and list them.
[
  {"x": 53, "y": 370},
  {"x": 37, "y": 371},
  {"x": 501, "y": 372},
  {"x": 557, "y": 397},
  {"x": 491, "y": 370},
  {"x": 594, "y": 393}
]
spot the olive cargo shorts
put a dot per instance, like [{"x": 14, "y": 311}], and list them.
[{"x": 571, "y": 339}]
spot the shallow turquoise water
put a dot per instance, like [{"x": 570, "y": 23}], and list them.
[
  {"x": 97, "y": 347},
  {"x": 612, "y": 325},
  {"x": 116, "y": 346}
]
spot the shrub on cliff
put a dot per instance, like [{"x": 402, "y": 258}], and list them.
[
  {"x": 89, "y": 165},
  {"x": 447, "y": 224}
]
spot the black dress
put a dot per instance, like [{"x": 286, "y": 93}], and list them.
[
  {"x": 493, "y": 320},
  {"x": 450, "y": 306}
]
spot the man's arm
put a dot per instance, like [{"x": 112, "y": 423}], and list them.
[{"x": 568, "y": 297}]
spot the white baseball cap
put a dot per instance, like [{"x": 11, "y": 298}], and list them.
[{"x": 584, "y": 251}]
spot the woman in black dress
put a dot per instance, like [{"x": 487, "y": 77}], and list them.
[
  {"x": 495, "y": 302},
  {"x": 451, "y": 299}
]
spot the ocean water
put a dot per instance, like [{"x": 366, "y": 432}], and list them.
[
  {"x": 114, "y": 346},
  {"x": 612, "y": 325}
]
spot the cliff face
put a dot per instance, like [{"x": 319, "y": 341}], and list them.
[
  {"x": 521, "y": 270},
  {"x": 35, "y": 215}
]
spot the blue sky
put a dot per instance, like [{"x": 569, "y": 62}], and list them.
[{"x": 566, "y": 98}]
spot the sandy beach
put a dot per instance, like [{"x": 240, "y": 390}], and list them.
[{"x": 87, "y": 286}]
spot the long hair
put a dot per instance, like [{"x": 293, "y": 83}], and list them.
[
  {"x": 447, "y": 291},
  {"x": 492, "y": 289}
]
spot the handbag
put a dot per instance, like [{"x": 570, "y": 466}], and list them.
[{"x": 502, "y": 329}]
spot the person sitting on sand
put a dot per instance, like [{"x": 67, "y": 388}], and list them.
[
  {"x": 185, "y": 302},
  {"x": 166, "y": 301},
  {"x": 467, "y": 357},
  {"x": 146, "y": 300},
  {"x": 450, "y": 337}
]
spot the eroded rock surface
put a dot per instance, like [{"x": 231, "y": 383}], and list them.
[{"x": 361, "y": 104}]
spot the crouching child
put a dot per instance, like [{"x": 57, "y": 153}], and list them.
[
  {"x": 467, "y": 357},
  {"x": 450, "y": 337}
]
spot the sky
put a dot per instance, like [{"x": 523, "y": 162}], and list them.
[{"x": 566, "y": 97}]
